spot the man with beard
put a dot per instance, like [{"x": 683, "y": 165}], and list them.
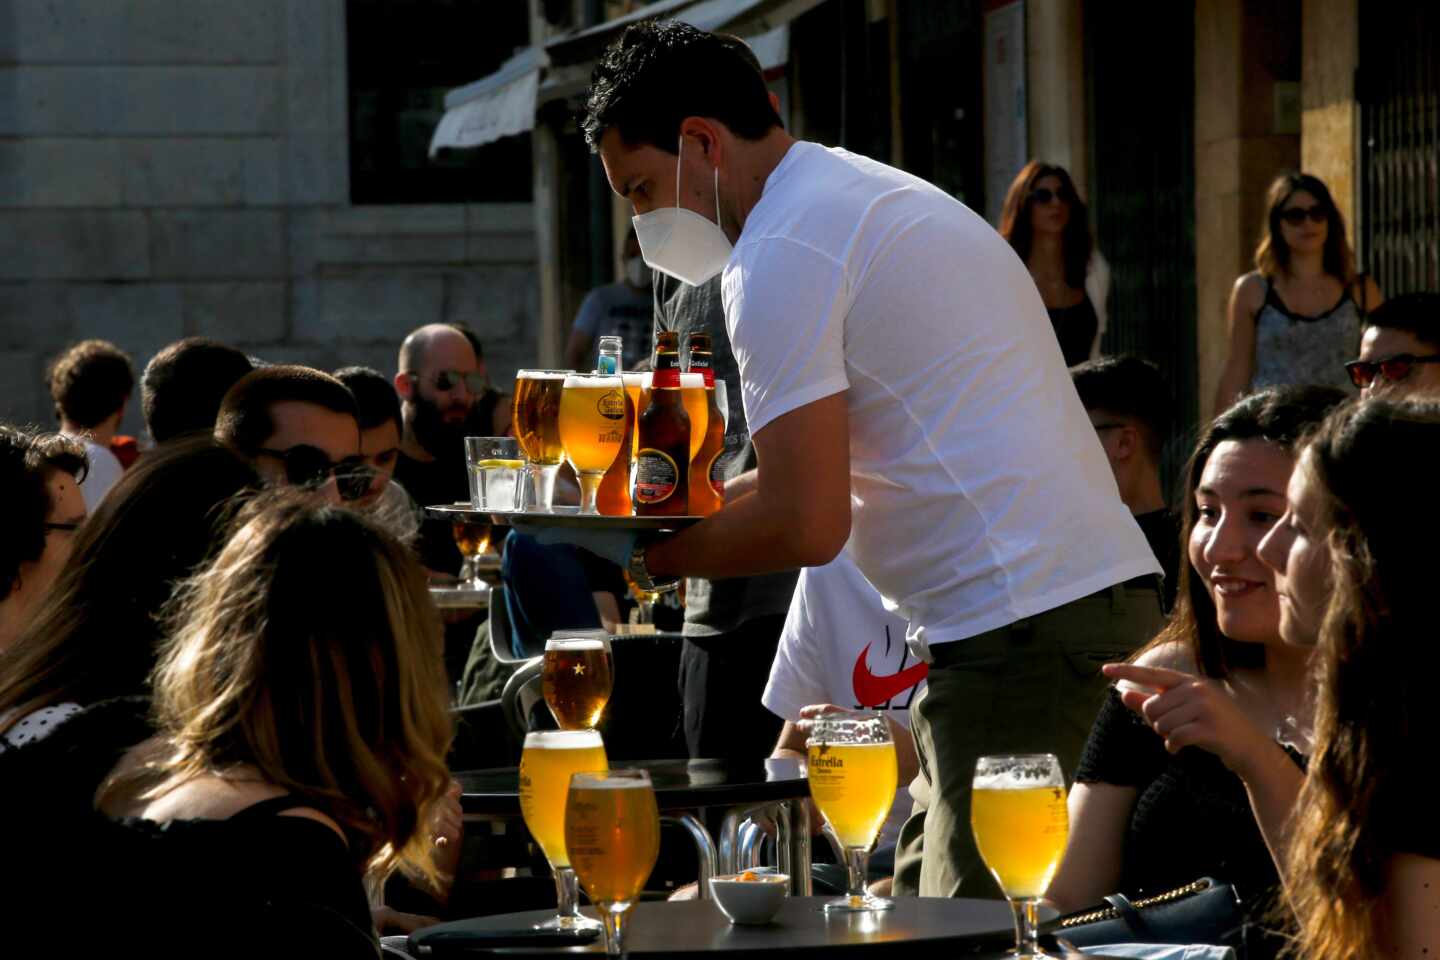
[{"x": 438, "y": 380}]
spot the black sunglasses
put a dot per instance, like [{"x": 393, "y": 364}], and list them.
[
  {"x": 1396, "y": 368},
  {"x": 307, "y": 466},
  {"x": 450, "y": 379},
  {"x": 1296, "y": 215},
  {"x": 1045, "y": 195}
]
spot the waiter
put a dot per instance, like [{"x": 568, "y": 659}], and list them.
[{"x": 905, "y": 395}]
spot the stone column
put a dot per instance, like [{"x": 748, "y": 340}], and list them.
[
  {"x": 1055, "y": 84},
  {"x": 1330, "y": 125}
]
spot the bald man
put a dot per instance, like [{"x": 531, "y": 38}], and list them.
[{"x": 438, "y": 380}]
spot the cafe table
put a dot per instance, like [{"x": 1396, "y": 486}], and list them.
[
  {"x": 742, "y": 788},
  {"x": 917, "y": 927}
]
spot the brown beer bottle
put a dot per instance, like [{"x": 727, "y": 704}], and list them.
[
  {"x": 660, "y": 482},
  {"x": 707, "y": 488},
  {"x": 613, "y": 497}
]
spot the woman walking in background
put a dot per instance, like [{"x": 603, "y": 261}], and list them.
[
  {"x": 1296, "y": 317},
  {"x": 1049, "y": 226}
]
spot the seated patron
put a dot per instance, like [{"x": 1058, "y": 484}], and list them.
[
  {"x": 380, "y": 428},
  {"x": 1400, "y": 348},
  {"x": 1196, "y": 758},
  {"x": 90, "y": 384},
  {"x": 183, "y": 384},
  {"x": 1353, "y": 565}
]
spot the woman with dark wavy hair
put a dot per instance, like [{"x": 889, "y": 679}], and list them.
[
  {"x": 1296, "y": 317},
  {"x": 1196, "y": 756},
  {"x": 1354, "y": 565},
  {"x": 1047, "y": 223}
]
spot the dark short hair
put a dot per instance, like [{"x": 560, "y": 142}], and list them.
[
  {"x": 1417, "y": 314},
  {"x": 25, "y": 460},
  {"x": 90, "y": 381},
  {"x": 661, "y": 71},
  {"x": 1127, "y": 386},
  {"x": 375, "y": 395},
  {"x": 244, "y": 421},
  {"x": 183, "y": 384}
]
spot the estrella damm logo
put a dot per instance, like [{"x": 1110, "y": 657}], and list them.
[{"x": 611, "y": 405}]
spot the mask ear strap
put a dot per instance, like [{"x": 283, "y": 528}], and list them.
[
  {"x": 679, "y": 150},
  {"x": 717, "y": 198}
]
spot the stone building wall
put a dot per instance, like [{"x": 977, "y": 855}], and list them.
[{"x": 180, "y": 167}]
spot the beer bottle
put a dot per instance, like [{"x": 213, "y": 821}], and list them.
[
  {"x": 660, "y": 481},
  {"x": 613, "y": 497},
  {"x": 707, "y": 488}
]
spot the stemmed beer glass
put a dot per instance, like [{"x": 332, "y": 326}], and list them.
[
  {"x": 853, "y": 774},
  {"x": 547, "y": 762},
  {"x": 577, "y": 677},
  {"x": 592, "y": 426},
  {"x": 1017, "y": 811},
  {"x": 612, "y": 831},
  {"x": 536, "y": 422}
]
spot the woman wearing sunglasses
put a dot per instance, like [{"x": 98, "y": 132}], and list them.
[
  {"x": 1048, "y": 225},
  {"x": 1353, "y": 567},
  {"x": 1296, "y": 317}
]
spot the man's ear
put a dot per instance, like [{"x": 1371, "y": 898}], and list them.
[
  {"x": 1127, "y": 442},
  {"x": 405, "y": 385}
]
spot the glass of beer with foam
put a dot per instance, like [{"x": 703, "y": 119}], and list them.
[
  {"x": 549, "y": 759},
  {"x": 535, "y": 421},
  {"x": 851, "y": 767},
  {"x": 577, "y": 677},
  {"x": 1018, "y": 815},
  {"x": 592, "y": 425},
  {"x": 612, "y": 832}
]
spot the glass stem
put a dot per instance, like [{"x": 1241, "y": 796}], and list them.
[
  {"x": 589, "y": 488},
  {"x": 857, "y": 861},
  {"x": 567, "y": 892},
  {"x": 543, "y": 478},
  {"x": 615, "y": 916},
  {"x": 1027, "y": 919}
]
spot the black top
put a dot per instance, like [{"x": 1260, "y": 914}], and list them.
[
  {"x": 256, "y": 884},
  {"x": 1162, "y": 531},
  {"x": 436, "y": 481},
  {"x": 1075, "y": 328},
  {"x": 1191, "y": 818}
]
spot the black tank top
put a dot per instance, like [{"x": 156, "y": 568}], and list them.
[{"x": 1075, "y": 328}]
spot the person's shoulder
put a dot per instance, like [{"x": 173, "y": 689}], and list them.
[
  {"x": 1170, "y": 655},
  {"x": 1250, "y": 288}
]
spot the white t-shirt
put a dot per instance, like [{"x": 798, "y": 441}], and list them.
[
  {"x": 979, "y": 491},
  {"x": 840, "y": 645},
  {"x": 102, "y": 472}
]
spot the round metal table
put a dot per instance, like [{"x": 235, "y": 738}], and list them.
[{"x": 775, "y": 787}]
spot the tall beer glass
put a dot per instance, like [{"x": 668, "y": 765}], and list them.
[
  {"x": 697, "y": 405},
  {"x": 577, "y": 679},
  {"x": 852, "y": 771},
  {"x": 1017, "y": 811},
  {"x": 536, "y": 421},
  {"x": 547, "y": 762},
  {"x": 612, "y": 831},
  {"x": 592, "y": 424}
]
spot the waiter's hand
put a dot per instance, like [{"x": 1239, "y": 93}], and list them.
[
  {"x": 613, "y": 545},
  {"x": 1190, "y": 711}
]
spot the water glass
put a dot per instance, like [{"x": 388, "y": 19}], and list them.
[{"x": 494, "y": 467}]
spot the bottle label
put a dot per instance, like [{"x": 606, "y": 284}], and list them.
[
  {"x": 608, "y": 365},
  {"x": 655, "y": 476},
  {"x": 611, "y": 405},
  {"x": 717, "y": 482}
]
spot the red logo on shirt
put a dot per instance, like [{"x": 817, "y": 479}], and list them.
[{"x": 872, "y": 691}]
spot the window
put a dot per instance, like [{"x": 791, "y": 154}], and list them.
[{"x": 404, "y": 56}]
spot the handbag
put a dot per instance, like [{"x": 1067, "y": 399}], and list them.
[{"x": 1202, "y": 911}]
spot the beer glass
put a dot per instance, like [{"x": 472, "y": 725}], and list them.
[
  {"x": 577, "y": 678},
  {"x": 612, "y": 832},
  {"x": 536, "y": 423},
  {"x": 592, "y": 424},
  {"x": 1017, "y": 811},
  {"x": 852, "y": 771},
  {"x": 692, "y": 395},
  {"x": 472, "y": 538},
  {"x": 548, "y": 760}
]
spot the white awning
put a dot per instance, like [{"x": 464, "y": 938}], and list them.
[{"x": 500, "y": 105}]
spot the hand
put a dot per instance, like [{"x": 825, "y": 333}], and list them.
[
  {"x": 1190, "y": 711},
  {"x": 447, "y": 830},
  {"x": 614, "y": 545},
  {"x": 389, "y": 921}
]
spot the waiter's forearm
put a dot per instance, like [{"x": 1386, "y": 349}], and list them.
[{"x": 748, "y": 537}]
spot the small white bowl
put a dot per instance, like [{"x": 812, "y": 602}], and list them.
[{"x": 750, "y": 901}]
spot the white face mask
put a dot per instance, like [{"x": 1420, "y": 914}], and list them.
[
  {"x": 680, "y": 242},
  {"x": 637, "y": 274}
]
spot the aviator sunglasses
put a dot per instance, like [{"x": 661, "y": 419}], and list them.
[
  {"x": 1296, "y": 215},
  {"x": 1045, "y": 195},
  {"x": 307, "y": 466},
  {"x": 447, "y": 380},
  {"x": 1394, "y": 369}
]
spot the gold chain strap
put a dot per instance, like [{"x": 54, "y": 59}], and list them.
[{"x": 1110, "y": 913}]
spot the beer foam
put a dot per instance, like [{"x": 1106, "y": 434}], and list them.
[
  {"x": 610, "y": 380},
  {"x": 575, "y": 643},
  {"x": 1011, "y": 781},
  {"x": 693, "y": 381},
  {"x": 616, "y": 784},
  {"x": 542, "y": 374},
  {"x": 564, "y": 739}
]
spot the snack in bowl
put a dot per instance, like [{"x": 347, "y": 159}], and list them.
[{"x": 750, "y": 897}]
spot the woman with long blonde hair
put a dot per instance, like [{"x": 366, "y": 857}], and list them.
[
  {"x": 300, "y": 730},
  {"x": 1354, "y": 565}
]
